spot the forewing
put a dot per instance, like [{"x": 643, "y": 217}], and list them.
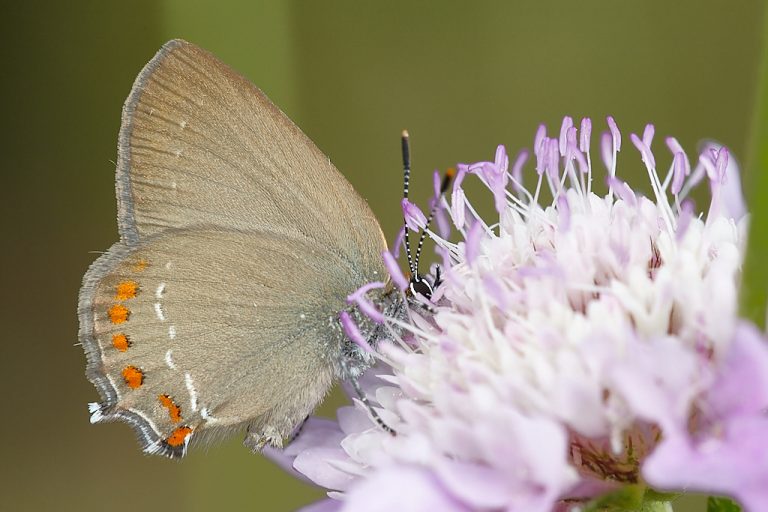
[
  {"x": 205, "y": 330},
  {"x": 200, "y": 144}
]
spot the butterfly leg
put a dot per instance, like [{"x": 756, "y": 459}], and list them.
[
  {"x": 371, "y": 410},
  {"x": 256, "y": 440}
]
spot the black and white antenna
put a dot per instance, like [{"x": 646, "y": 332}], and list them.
[
  {"x": 406, "y": 181},
  {"x": 447, "y": 177},
  {"x": 419, "y": 285}
]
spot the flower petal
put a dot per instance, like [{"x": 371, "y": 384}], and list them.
[{"x": 404, "y": 489}]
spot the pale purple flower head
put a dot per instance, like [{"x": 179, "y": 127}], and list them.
[{"x": 578, "y": 342}]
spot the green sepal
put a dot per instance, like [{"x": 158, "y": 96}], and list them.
[{"x": 720, "y": 504}]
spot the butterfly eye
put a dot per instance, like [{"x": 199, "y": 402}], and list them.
[{"x": 421, "y": 287}]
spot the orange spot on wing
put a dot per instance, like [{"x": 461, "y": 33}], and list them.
[
  {"x": 121, "y": 342},
  {"x": 173, "y": 410},
  {"x": 133, "y": 377},
  {"x": 178, "y": 436},
  {"x": 118, "y": 314},
  {"x": 140, "y": 265},
  {"x": 126, "y": 290}
]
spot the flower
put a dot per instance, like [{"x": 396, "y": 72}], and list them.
[{"x": 578, "y": 343}]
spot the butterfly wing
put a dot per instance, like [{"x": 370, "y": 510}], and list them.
[
  {"x": 200, "y": 144},
  {"x": 210, "y": 329},
  {"x": 239, "y": 244}
]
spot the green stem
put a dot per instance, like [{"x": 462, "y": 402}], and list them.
[{"x": 754, "y": 291}]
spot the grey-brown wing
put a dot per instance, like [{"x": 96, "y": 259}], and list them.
[
  {"x": 206, "y": 330},
  {"x": 200, "y": 144}
]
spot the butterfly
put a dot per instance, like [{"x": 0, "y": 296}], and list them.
[{"x": 218, "y": 309}]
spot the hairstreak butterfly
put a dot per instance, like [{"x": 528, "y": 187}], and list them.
[{"x": 240, "y": 243}]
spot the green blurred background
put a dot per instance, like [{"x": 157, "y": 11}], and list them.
[{"x": 462, "y": 77}]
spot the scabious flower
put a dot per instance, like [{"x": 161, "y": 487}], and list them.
[{"x": 577, "y": 343}]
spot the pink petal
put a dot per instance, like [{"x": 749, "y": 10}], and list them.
[
  {"x": 729, "y": 455},
  {"x": 644, "y": 150},
  {"x": 315, "y": 464},
  {"x": 648, "y": 134},
  {"x": 541, "y": 134},
  {"x": 679, "y": 172},
  {"x": 606, "y": 152},
  {"x": 735, "y": 464},
  {"x": 401, "y": 489},
  {"x": 472, "y": 244},
  {"x": 744, "y": 368},
  {"x": 458, "y": 208},
  {"x": 585, "y": 134},
  {"x": 353, "y": 332},
  {"x": 478, "y": 486},
  {"x": 564, "y": 128},
  {"x": 394, "y": 270},
  {"x": 414, "y": 217},
  {"x": 615, "y": 133},
  {"x": 731, "y": 195}
]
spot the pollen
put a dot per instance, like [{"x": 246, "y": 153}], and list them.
[
  {"x": 121, "y": 342},
  {"x": 118, "y": 314},
  {"x": 126, "y": 290},
  {"x": 140, "y": 265},
  {"x": 178, "y": 436},
  {"x": 133, "y": 377},
  {"x": 174, "y": 411}
]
